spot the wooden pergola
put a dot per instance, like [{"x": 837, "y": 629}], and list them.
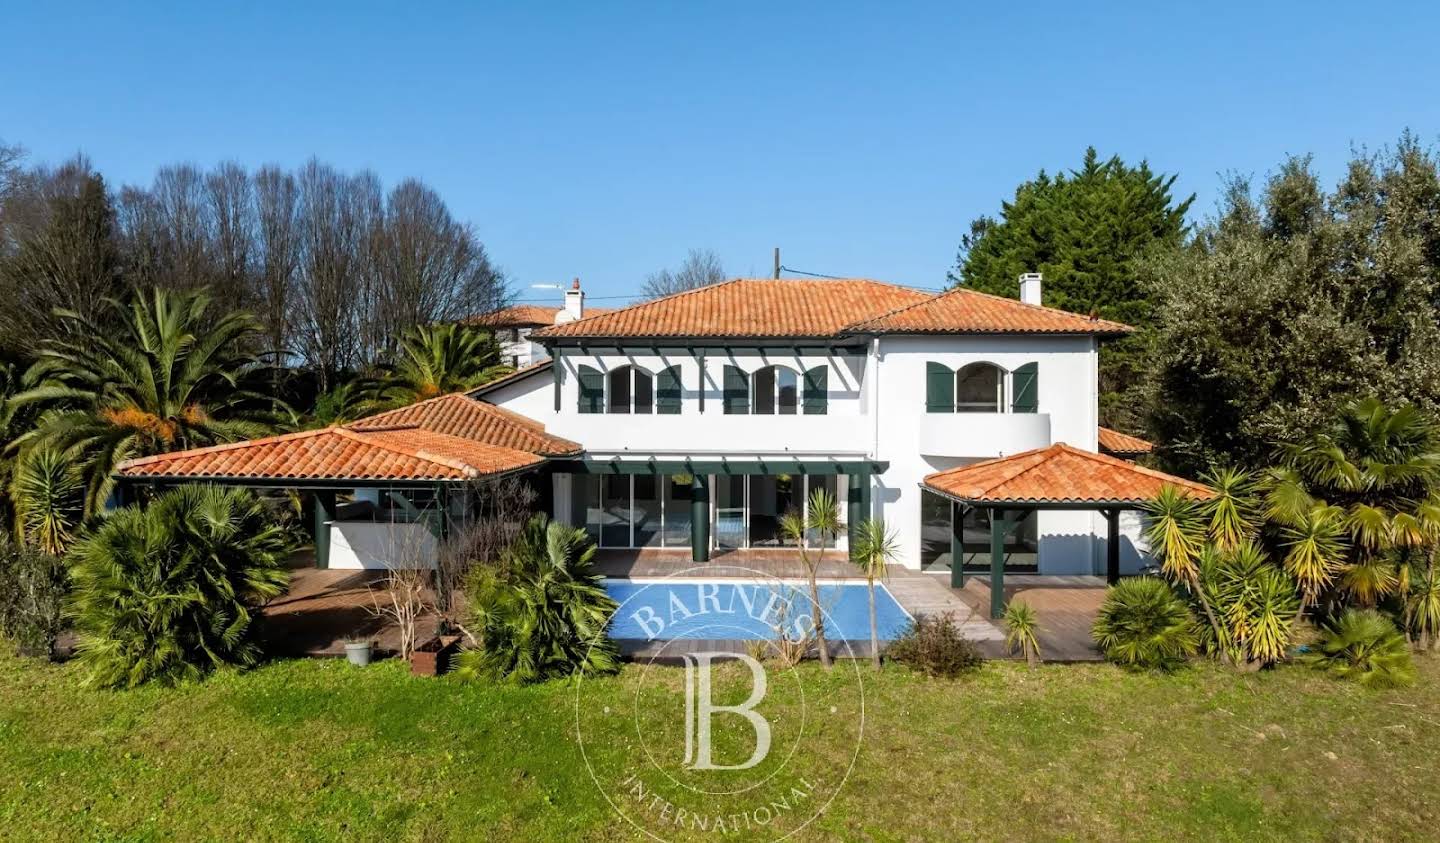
[{"x": 1058, "y": 477}]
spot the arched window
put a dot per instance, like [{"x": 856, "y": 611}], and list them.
[
  {"x": 979, "y": 388},
  {"x": 631, "y": 389},
  {"x": 776, "y": 391}
]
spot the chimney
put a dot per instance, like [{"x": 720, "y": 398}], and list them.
[
  {"x": 1030, "y": 287},
  {"x": 574, "y": 305}
]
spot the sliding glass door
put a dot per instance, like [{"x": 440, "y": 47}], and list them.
[{"x": 730, "y": 511}]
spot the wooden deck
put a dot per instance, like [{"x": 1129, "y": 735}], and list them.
[{"x": 324, "y": 607}]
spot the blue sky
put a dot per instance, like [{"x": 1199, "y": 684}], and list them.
[{"x": 605, "y": 139}]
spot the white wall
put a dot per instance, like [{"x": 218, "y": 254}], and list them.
[
  {"x": 371, "y": 545},
  {"x": 1067, "y": 412},
  {"x": 876, "y": 408}
]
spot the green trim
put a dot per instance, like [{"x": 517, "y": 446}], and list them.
[
  {"x": 722, "y": 466},
  {"x": 699, "y": 518},
  {"x": 957, "y": 545},
  {"x": 752, "y": 347},
  {"x": 324, "y": 511},
  {"x": 999, "y": 527}
]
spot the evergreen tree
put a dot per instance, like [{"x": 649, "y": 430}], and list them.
[
  {"x": 1085, "y": 231},
  {"x": 1290, "y": 305}
]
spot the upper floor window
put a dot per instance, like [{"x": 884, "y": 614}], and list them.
[
  {"x": 629, "y": 389},
  {"x": 981, "y": 388},
  {"x": 776, "y": 390}
]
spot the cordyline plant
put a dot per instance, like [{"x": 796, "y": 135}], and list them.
[{"x": 822, "y": 519}]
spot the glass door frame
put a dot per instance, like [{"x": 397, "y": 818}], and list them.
[{"x": 842, "y": 541}]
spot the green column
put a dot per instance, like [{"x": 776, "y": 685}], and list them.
[
  {"x": 1112, "y": 546},
  {"x": 324, "y": 511},
  {"x": 855, "y": 506},
  {"x": 957, "y": 547},
  {"x": 998, "y": 528},
  {"x": 699, "y": 518}
]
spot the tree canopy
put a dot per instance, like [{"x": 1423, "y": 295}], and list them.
[
  {"x": 1085, "y": 230},
  {"x": 1292, "y": 303}
]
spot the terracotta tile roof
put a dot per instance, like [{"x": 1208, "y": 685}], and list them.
[
  {"x": 963, "y": 311},
  {"x": 461, "y": 416},
  {"x": 1057, "y": 474},
  {"x": 335, "y": 453},
  {"x": 1115, "y": 442},
  {"x": 518, "y": 375},
  {"x": 749, "y": 308},
  {"x": 527, "y": 316}
]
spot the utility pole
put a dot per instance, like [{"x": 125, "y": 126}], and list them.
[{"x": 777, "y": 263}]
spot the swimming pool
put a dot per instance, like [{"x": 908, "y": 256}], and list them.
[{"x": 669, "y": 609}]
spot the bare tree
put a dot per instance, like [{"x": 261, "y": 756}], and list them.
[
  {"x": 64, "y": 251},
  {"x": 500, "y": 507},
  {"x": 701, "y": 268},
  {"x": 277, "y": 232},
  {"x": 428, "y": 267},
  {"x": 232, "y": 218}
]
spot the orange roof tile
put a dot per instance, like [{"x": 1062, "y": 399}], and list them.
[
  {"x": 1115, "y": 442},
  {"x": 1058, "y": 474},
  {"x": 748, "y": 308},
  {"x": 459, "y": 415},
  {"x": 964, "y": 311},
  {"x": 526, "y": 316},
  {"x": 335, "y": 453}
]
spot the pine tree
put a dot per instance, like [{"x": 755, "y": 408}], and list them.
[{"x": 1085, "y": 230}]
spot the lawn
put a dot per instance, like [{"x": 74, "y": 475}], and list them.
[{"x": 322, "y": 750}]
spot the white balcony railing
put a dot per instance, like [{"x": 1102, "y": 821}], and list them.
[{"x": 982, "y": 434}]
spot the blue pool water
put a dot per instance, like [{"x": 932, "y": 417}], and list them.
[{"x": 719, "y": 609}]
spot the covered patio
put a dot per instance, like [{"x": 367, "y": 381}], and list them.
[{"x": 1058, "y": 477}]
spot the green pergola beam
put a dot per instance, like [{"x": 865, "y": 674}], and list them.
[
  {"x": 324, "y": 512},
  {"x": 699, "y": 518},
  {"x": 779, "y": 465}
]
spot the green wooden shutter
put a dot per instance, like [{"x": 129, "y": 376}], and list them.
[
  {"x": 592, "y": 390},
  {"x": 737, "y": 392},
  {"x": 817, "y": 383},
  {"x": 1025, "y": 389},
  {"x": 667, "y": 391},
  {"x": 939, "y": 388}
]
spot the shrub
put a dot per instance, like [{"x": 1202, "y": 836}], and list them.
[
  {"x": 935, "y": 647},
  {"x": 33, "y": 585},
  {"x": 1142, "y": 625},
  {"x": 170, "y": 592},
  {"x": 1364, "y": 645},
  {"x": 541, "y": 613},
  {"x": 1022, "y": 626}
]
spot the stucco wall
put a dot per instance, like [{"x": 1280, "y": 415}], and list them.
[{"x": 373, "y": 545}]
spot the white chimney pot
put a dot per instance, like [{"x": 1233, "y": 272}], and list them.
[
  {"x": 1030, "y": 287},
  {"x": 574, "y": 305}
]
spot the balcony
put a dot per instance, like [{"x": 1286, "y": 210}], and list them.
[{"x": 982, "y": 434}]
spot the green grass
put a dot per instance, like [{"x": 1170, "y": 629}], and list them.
[{"x": 321, "y": 750}]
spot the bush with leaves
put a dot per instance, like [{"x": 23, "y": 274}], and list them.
[
  {"x": 33, "y": 586},
  {"x": 171, "y": 591},
  {"x": 1022, "y": 629},
  {"x": 1143, "y": 625},
  {"x": 934, "y": 646},
  {"x": 1363, "y": 645},
  {"x": 541, "y": 613}
]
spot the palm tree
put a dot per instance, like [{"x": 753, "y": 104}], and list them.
[
  {"x": 876, "y": 546},
  {"x": 821, "y": 520},
  {"x": 1177, "y": 535},
  {"x": 1377, "y": 472},
  {"x": 47, "y": 495},
  {"x": 440, "y": 359},
  {"x": 542, "y": 612},
  {"x": 171, "y": 591},
  {"x": 165, "y": 376}
]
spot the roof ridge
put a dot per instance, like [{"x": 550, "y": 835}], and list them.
[
  {"x": 649, "y": 302},
  {"x": 1038, "y": 452},
  {"x": 1130, "y": 466},
  {"x": 1044, "y": 307},
  {"x": 963, "y": 290},
  {"x": 418, "y": 453},
  {"x": 224, "y": 446},
  {"x": 902, "y": 308}
]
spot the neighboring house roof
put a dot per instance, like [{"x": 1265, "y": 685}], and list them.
[
  {"x": 806, "y": 308},
  {"x": 335, "y": 453},
  {"x": 527, "y": 316},
  {"x": 1058, "y": 474},
  {"x": 516, "y": 376},
  {"x": 462, "y": 416},
  {"x": 1123, "y": 444},
  {"x": 452, "y": 437},
  {"x": 962, "y": 311}
]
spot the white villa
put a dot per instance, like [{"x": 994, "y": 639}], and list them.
[{"x": 686, "y": 426}]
